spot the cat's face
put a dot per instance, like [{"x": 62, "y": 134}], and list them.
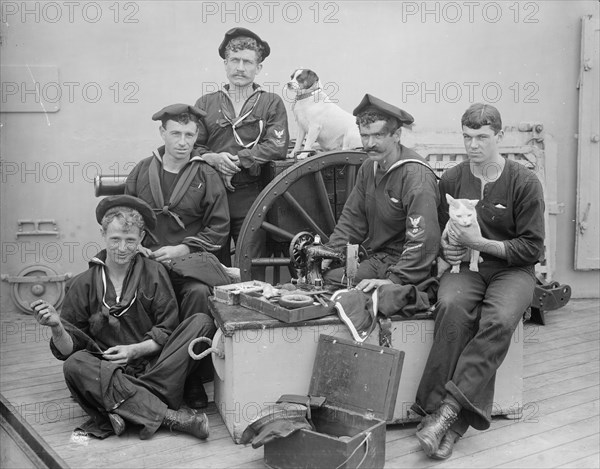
[{"x": 462, "y": 211}]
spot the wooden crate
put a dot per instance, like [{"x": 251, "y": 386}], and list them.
[
  {"x": 360, "y": 383},
  {"x": 266, "y": 358}
]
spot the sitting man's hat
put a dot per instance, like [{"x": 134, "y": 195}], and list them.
[
  {"x": 236, "y": 32},
  {"x": 127, "y": 201},
  {"x": 176, "y": 109},
  {"x": 370, "y": 102}
]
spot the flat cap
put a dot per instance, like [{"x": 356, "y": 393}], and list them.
[
  {"x": 236, "y": 32},
  {"x": 127, "y": 201},
  {"x": 176, "y": 109},
  {"x": 371, "y": 102}
]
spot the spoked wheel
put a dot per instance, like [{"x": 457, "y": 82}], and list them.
[{"x": 308, "y": 196}]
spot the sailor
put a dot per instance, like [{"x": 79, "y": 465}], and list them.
[
  {"x": 126, "y": 357},
  {"x": 392, "y": 210},
  {"x": 478, "y": 311},
  {"x": 191, "y": 209},
  {"x": 244, "y": 127}
]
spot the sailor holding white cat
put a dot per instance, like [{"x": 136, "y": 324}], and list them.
[{"x": 478, "y": 311}]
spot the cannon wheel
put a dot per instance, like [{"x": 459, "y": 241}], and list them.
[{"x": 329, "y": 176}]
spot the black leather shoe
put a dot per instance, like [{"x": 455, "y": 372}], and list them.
[
  {"x": 187, "y": 421},
  {"x": 446, "y": 446},
  {"x": 117, "y": 423},
  {"x": 195, "y": 395},
  {"x": 435, "y": 427}
]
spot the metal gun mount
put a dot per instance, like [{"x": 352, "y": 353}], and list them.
[{"x": 307, "y": 252}]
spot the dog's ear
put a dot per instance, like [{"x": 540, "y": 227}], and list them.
[{"x": 311, "y": 78}]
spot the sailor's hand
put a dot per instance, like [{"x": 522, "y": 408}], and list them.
[
  {"x": 368, "y": 284},
  {"x": 223, "y": 162},
  {"x": 167, "y": 253},
  {"x": 120, "y": 354},
  {"x": 326, "y": 264},
  {"x": 144, "y": 251},
  {"x": 227, "y": 182},
  {"x": 452, "y": 253},
  {"x": 467, "y": 236},
  {"x": 44, "y": 313}
]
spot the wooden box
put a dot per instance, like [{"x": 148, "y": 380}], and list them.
[
  {"x": 415, "y": 337},
  {"x": 273, "y": 310},
  {"x": 265, "y": 358},
  {"x": 360, "y": 383},
  {"x": 230, "y": 294}
]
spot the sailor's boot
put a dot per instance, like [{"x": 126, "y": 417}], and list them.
[
  {"x": 435, "y": 427},
  {"x": 187, "y": 421}
]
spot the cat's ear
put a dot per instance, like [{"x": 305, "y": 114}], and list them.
[
  {"x": 474, "y": 202},
  {"x": 451, "y": 200}
]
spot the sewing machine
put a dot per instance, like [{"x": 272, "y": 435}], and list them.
[{"x": 307, "y": 254}]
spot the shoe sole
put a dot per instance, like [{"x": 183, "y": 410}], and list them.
[
  {"x": 207, "y": 426},
  {"x": 440, "y": 457},
  {"x": 428, "y": 445}
]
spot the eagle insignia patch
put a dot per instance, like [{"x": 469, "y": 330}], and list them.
[
  {"x": 279, "y": 139},
  {"x": 415, "y": 226}
]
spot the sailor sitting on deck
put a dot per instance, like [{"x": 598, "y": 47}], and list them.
[{"x": 125, "y": 353}]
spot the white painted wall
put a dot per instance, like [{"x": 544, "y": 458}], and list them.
[{"x": 156, "y": 53}]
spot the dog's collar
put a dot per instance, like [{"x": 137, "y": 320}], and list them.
[{"x": 300, "y": 97}]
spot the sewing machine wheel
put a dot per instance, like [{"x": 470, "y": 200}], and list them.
[
  {"x": 297, "y": 254},
  {"x": 307, "y": 197}
]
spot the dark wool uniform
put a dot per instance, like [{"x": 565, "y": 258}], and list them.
[
  {"x": 394, "y": 216},
  {"x": 261, "y": 135},
  {"x": 200, "y": 219},
  {"x": 142, "y": 390},
  {"x": 478, "y": 312}
]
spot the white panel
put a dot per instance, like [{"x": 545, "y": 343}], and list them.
[
  {"x": 30, "y": 89},
  {"x": 587, "y": 248}
]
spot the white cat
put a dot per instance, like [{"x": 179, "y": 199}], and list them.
[{"x": 463, "y": 213}]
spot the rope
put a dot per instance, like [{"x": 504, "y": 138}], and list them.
[
  {"x": 366, "y": 443},
  {"x": 219, "y": 353}
]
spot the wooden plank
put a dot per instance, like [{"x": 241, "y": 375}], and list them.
[
  {"x": 52, "y": 381},
  {"x": 540, "y": 380},
  {"x": 161, "y": 450},
  {"x": 549, "y": 414},
  {"x": 583, "y": 463},
  {"x": 500, "y": 446},
  {"x": 561, "y": 453},
  {"x": 25, "y": 437},
  {"x": 558, "y": 394},
  {"x": 559, "y": 328},
  {"x": 535, "y": 406},
  {"x": 543, "y": 356},
  {"x": 546, "y": 345},
  {"x": 560, "y": 363}
]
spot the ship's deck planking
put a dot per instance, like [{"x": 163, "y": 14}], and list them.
[{"x": 559, "y": 426}]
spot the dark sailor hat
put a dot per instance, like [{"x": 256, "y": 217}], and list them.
[
  {"x": 176, "y": 109},
  {"x": 370, "y": 102},
  {"x": 127, "y": 201},
  {"x": 237, "y": 32}
]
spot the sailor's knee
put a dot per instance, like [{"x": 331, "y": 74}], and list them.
[
  {"x": 201, "y": 322},
  {"x": 449, "y": 304},
  {"x": 196, "y": 289},
  {"x": 76, "y": 363}
]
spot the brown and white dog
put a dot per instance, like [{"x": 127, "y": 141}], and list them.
[{"x": 319, "y": 119}]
